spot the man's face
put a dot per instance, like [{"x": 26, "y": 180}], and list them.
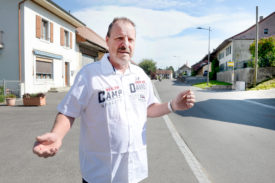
[{"x": 121, "y": 42}]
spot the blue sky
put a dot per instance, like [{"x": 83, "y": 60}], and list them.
[{"x": 166, "y": 29}]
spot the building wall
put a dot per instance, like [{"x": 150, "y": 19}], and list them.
[
  {"x": 31, "y": 43},
  {"x": 241, "y": 54},
  {"x": 9, "y": 68},
  {"x": 246, "y": 75},
  {"x": 268, "y": 23},
  {"x": 226, "y": 58}
]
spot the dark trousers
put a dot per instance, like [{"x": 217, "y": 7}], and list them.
[{"x": 84, "y": 181}]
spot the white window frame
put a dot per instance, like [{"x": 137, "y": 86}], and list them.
[
  {"x": 45, "y": 35},
  {"x": 66, "y": 38},
  {"x": 44, "y": 76}
]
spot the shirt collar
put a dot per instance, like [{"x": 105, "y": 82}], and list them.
[{"x": 107, "y": 67}]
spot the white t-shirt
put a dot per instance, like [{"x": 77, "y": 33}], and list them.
[{"x": 113, "y": 110}]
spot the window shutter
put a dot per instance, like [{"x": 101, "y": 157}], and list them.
[
  {"x": 71, "y": 38},
  {"x": 62, "y": 35},
  {"x": 51, "y": 32},
  {"x": 38, "y": 26}
]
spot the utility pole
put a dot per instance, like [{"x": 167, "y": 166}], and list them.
[
  {"x": 256, "y": 49},
  {"x": 208, "y": 62}
]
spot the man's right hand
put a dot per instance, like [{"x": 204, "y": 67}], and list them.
[{"x": 47, "y": 145}]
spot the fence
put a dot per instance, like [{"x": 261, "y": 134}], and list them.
[{"x": 10, "y": 87}]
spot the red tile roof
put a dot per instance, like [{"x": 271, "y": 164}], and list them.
[{"x": 89, "y": 35}]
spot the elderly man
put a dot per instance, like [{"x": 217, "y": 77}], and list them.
[{"x": 113, "y": 98}]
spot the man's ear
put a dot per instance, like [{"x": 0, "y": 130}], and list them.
[{"x": 107, "y": 39}]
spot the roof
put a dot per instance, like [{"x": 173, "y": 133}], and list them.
[
  {"x": 164, "y": 71},
  {"x": 244, "y": 35},
  {"x": 184, "y": 66},
  {"x": 60, "y": 12},
  {"x": 89, "y": 36}
]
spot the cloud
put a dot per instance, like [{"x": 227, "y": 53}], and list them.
[
  {"x": 148, "y": 4},
  {"x": 161, "y": 35}
]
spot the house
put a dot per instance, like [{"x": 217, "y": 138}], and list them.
[
  {"x": 236, "y": 48},
  {"x": 184, "y": 70},
  {"x": 201, "y": 67},
  {"x": 43, "y": 46},
  {"x": 165, "y": 74}
]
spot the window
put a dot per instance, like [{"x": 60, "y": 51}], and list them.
[
  {"x": 45, "y": 29},
  {"x": 44, "y": 68},
  {"x": 265, "y": 31},
  {"x": 221, "y": 55},
  {"x": 228, "y": 50},
  {"x": 67, "y": 38}
]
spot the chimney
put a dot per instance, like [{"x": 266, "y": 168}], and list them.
[{"x": 261, "y": 18}]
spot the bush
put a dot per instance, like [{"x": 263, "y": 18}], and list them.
[
  {"x": 10, "y": 96},
  {"x": 27, "y": 95},
  {"x": 2, "y": 98}
]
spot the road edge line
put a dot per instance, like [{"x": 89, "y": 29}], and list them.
[{"x": 192, "y": 161}]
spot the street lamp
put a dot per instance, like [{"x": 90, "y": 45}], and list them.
[{"x": 208, "y": 50}]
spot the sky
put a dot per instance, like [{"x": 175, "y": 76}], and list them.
[{"x": 167, "y": 29}]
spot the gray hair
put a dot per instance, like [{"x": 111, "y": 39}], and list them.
[{"x": 124, "y": 19}]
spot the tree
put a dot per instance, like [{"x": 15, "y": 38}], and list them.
[
  {"x": 214, "y": 69},
  {"x": 171, "y": 68},
  {"x": 266, "y": 52},
  {"x": 148, "y": 65}
]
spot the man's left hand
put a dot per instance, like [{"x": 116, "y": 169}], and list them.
[{"x": 185, "y": 100}]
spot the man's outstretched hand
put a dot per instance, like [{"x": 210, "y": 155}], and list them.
[
  {"x": 185, "y": 100},
  {"x": 47, "y": 145}
]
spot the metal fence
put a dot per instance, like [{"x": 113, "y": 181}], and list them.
[{"x": 10, "y": 87}]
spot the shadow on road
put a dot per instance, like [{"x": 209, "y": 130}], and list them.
[{"x": 234, "y": 111}]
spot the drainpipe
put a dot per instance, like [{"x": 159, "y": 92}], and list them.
[{"x": 19, "y": 39}]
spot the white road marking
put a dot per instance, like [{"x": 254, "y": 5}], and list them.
[
  {"x": 263, "y": 105},
  {"x": 188, "y": 155}
]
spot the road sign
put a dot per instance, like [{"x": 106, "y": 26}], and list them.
[{"x": 230, "y": 64}]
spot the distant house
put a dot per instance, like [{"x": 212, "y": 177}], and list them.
[
  {"x": 40, "y": 45},
  {"x": 184, "y": 70},
  {"x": 165, "y": 74},
  {"x": 201, "y": 67},
  {"x": 236, "y": 48},
  {"x": 91, "y": 46}
]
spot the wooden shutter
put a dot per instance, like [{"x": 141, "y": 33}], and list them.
[
  {"x": 51, "y": 32},
  {"x": 71, "y": 40},
  {"x": 38, "y": 26},
  {"x": 62, "y": 36}
]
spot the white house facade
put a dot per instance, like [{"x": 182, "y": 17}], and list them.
[{"x": 39, "y": 46}]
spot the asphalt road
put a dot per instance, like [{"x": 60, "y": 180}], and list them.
[
  {"x": 232, "y": 138},
  {"x": 230, "y": 133}
]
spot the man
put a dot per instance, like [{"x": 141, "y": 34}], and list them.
[{"x": 114, "y": 99}]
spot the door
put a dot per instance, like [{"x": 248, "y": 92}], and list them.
[{"x": 66, "y": 74}]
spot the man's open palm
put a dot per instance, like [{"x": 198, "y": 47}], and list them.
[{"x": 47, "y": 145}]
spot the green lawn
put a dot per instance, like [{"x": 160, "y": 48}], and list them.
[
  {"x": 265, "y": 85},
  {"x": 211, "y": 83}
]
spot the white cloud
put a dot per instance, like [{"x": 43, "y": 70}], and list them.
[{"x": 157, "y": 30}]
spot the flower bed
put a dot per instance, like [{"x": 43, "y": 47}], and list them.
[{"x": 34, "y": 99}]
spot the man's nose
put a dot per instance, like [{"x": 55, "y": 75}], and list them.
[{"x": 125, "y": 42}]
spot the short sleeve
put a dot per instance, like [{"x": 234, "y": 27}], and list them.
[
  {"x": 77, "y": 98},
  {"x": 151, "y": 96}
]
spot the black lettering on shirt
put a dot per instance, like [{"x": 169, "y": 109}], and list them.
[{"x": 101, "y": 98}]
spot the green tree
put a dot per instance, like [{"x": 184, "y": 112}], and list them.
[
  {"x": 214, "y": 69},
  {"x": 148, "y": 65},
  {"x": 266, "y": 52},
  {"x": 171, "y": 68}
]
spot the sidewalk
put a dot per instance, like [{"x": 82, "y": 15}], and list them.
[{"x": 20, "y": 125}]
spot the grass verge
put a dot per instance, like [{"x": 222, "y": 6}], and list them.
[
  {"x": 266, "y": 85},
  {"x": 211, "y": 83}
]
